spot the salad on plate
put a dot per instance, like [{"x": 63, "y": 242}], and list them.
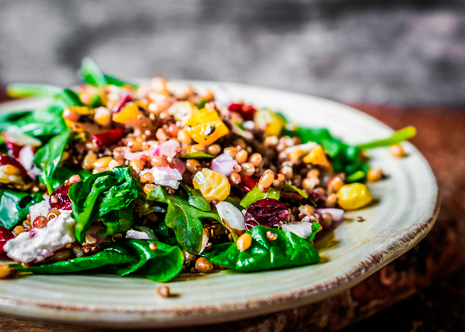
[{"x": 157, "y": 178}]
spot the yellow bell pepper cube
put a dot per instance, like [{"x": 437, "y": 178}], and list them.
[
  {"x": 269, "y": 121},
  {"x": 212, "y": 185},
  {"x": 317, "y": 157},
  {"x": 354, "y": 196},
  {"x": 205, "y": 126}
]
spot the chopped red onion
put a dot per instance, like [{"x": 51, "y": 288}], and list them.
[
  {"x": 169, "y": 149},
  {"x": 223, "y": 164}
]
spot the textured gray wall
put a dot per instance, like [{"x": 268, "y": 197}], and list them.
[{"x": 405, "y": 52}]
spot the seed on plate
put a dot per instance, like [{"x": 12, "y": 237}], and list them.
[
  {"x": 183, "y": 137},
  {"x": 6, "y": 271},
  {"x": 136, "y": 165},
  {"x": 244, "y": 242},
  {"x": 331, "y": 201},
  {"x": 153, "y": 246},
  {"x": 374, "y": 174},
  {"x": 241, "y": 156},
  {"x": 158, "y": 161},
  {"x": 147, "y": 178},
  {"x": 203, "y": 265},
  {"x": 270, "y": 236},
  {"x": 164, "y": 291},
  {"x": 52, "y": 214},
  {"x": 113, "y": 163},
  {"x": 214, "y": 149},
  {"x": 326, "y": 220},
  {"x": 235, "y": 178},
  {"x": 148, "y": 188},
  {"x": 247, "y": 169},
  {"x": 360, "y": 219},
  {"x": 266, "y": 180},
  {"x": 334, "y": 184},
  {"x": 397, "y": 151},
  {"x": 239, "y": 142},
  {"x": 193, "y": 165},
  {"x": 256, "y": 159},
  {"x": 89, "y": 160},
  {"x": 102, "y": 162},
  {"x": 61, "y": 256},
  {"x": 18, "y": 230}
]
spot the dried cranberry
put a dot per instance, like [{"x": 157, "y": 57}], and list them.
[
  {"x": 108, "y": 137},
  {"x": 59, "y": 199},
  {"x": 248, "y": 182},
  {"x": 13, "y": 149},
  {"x": 246, "y": 111},
  {"x": 267, "y": 211},
  {"x": 119, "y": 105},
  {"x": 7, "y": 160},
  {"x": 5, "y": 236}
]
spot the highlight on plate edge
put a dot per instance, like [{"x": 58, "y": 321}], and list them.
[{"x": 154, "y": 179}]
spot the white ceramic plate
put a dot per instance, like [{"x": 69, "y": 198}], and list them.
[{"x": 406, "y": 208}]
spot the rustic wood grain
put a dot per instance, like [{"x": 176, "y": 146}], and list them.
[{"x": 441, "y": 138}]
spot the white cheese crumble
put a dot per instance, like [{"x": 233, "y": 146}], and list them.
[
  {"x": 40, "y": 243},
  {"x": 40, "y": 209},
  {"x": 165, "y": 176}
]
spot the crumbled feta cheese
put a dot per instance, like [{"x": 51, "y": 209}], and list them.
[
  {"x": 165, "y": 176},
  {"x": 39, "y": 209},
  {"x": 40, "y": 243}
]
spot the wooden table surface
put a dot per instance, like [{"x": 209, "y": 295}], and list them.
[{"x": 430, "y": 265}]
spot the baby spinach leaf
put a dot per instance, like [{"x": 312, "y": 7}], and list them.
[
  {"x": 115, "y": 255},
  {"x": 290, "y": 187},
  {"x": 42, "y": 122},
  {"x": 184, "y": 216},
  {"x": 49, "y": 157},
  {"x": 104, "y": 195},
  {"x": 123, "y": 258},
  {"x": 256, "y": 194},
  {"x": 14, "y": 206},
  {"x": 92, "y": 75},
  {"x": 285, "y": 251}
]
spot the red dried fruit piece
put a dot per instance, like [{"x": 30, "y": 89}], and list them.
[
  {"x": 248, "y": 182},
  {"x": 125, "y": 99},
  {"x": 109, "y": 137},
  {"x": 5, "y": 236},
  {"x": 13, "y": 149},
  {"x": 246, "y": 111},
  {"x": 7, "y": 160},
  {"x": 59, "y": 199},
  {"x": 267, "y": 212}
]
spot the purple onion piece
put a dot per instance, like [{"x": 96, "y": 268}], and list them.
[
  {"x": 337, "y": 214},
  {"x": 267, "y": 212}
]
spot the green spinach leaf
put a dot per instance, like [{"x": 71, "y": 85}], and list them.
[
  {"x": 92, "y": 75},
  {"x": 124, "y": 258},
  {"x": 256, "y": 194},
  {"x": 107, "y": 195},
  {"x": 14, "y": 206},
  {"x": 285, "y": 251},
  {"x": 184, "y": 214},
  {"x": 49, "y": 157}
]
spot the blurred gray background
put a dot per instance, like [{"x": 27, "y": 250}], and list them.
[{"x": 408, "y": 52}]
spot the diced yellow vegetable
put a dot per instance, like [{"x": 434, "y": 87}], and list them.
[
  {"x": 212, "y": 185},
  {"x": 182, "y": 111},
  {"x": 131, "y": 116},
  {"x": 205, "y": 126},
  {"x": 354, "y": 196},
  {"x": 82, "y": 110},
  {"x": 269, "y": 121},
  {"x": 127, "y": 113},
  {"x": 317, "y": 157}
]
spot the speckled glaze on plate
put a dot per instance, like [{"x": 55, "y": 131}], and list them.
[{"x": 405, "y": 210}]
